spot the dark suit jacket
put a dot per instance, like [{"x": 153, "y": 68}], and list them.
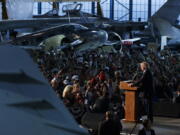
[
  {"x": 101, "y": 105},
  {"x": 177, "y": 100},
  {"x": 146, "y": 84},
  {"x": 109, "y": 127},
  {"x": 143, "y": 132}
]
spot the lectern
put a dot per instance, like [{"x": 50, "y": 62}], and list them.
[{"x": 131, "y": 102}]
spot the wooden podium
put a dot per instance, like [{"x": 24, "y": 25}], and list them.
[{"x": 131, "y": 102}]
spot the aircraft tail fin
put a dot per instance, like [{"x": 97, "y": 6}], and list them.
[
  {"x": 165, "y": 19},
  {"x": 170, "y": 11}
]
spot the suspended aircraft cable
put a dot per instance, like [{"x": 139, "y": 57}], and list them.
[
  {"x": 65, "y": 9},
  {"x": 69, "y": 18}
]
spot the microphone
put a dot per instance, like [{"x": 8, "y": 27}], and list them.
[
  {"x": 136, "y": 73},
  {"x": 135, "y": 76}
]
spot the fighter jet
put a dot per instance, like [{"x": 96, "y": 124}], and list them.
[
  {"x": 67, "y": 36},
  {"x": 71, "y": 36},
  {"x": 85, "y": 39}
]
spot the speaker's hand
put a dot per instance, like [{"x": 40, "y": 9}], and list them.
[{"x": 130, "y": 84}]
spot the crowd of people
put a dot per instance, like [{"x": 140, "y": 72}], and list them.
[{"x": 89, "y": 82}]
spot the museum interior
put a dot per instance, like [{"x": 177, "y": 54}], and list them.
[{"x": 90, "y": 67}]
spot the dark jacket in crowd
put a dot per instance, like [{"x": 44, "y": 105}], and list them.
[
  {"x": 177, "y": 100},
  {"x": 109, "y": 127},
  {"x": 101, "y": 105}
]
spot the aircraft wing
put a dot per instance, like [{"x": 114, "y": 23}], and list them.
[{"x": 30, "y": 106}]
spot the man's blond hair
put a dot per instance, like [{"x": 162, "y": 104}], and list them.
[{"x": 144, "y": 64}]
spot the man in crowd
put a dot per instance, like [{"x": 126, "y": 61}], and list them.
[{"x": 109, "y": 126}]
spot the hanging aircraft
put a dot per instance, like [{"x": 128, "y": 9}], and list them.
[
  {"x": 64, "y": 36},
  {"x": 71, "y": 36}
]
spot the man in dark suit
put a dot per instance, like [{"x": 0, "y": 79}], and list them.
[{"x": 146, "y": 86}]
